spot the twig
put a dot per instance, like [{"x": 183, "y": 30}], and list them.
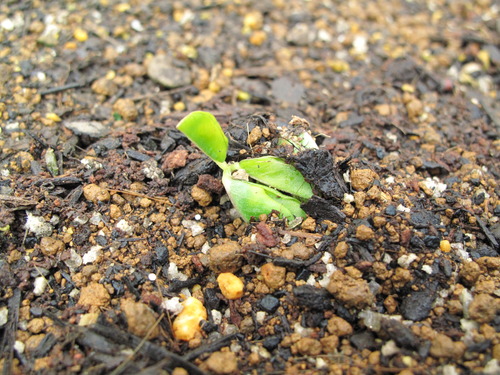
[
  {"x": 55, "y": 90},
  {"x": 124, "y": 364},
  {"x": 7, "y": 342}
]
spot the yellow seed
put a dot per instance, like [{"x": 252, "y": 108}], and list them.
[
  {"x": 80, "y": 34},
  {"x": 122, "y": 7},
  {"x": 52, "y": 116},
  {"x": 179, "y": 106},
  {"x": 230, "y": 285},
  {"x": 338, "y": 66},
  {"x": 484, "y": 57},
  {"x": 445, "y": 246},
  {"x": 408, "y": 88},
  {"x": 214, "y": 87},
  {"x": 111, "y": 74},
  {"x": 253, "y": 21},
  {"x": 189, "y": 51},
  {"x": 258, "y": 37},
  {"x": 243, "y": 96},
  {"x": 187, "y": 324},
  {"x": 227, "y": 72}
]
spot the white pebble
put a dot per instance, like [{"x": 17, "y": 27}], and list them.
[
  {"x": 172, "y": 305},
  {"x": 193, "y": 226},
  {"x": 402, "y": 208},
  {"x": 19, "y": 347},
  {"x": 260, "y": 316},
  {"x": 390, "y": 348},
  {"x": 4, "y": 314},
  {"x": 39, "y": 284},
  {"x": 405, "y": 260},
  {"x": 216, "y": 316},
  {"x": 136, "y": 25},
  {"x": 427, "y": 269},
  {"x": 92, "y": 255},
  {"x": 348, "y": 198},
  {"x": 125, "y": 227},
  {"x": 38, "y": 226},
  {"x": 152, "y": 277}
]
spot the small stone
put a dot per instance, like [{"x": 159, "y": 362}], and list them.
[
  {"x": 444, "y": 347},
  {"x": 415, "y": 108},
  {"x": 126, "y": 109},
  {"x": 364, "y": 233},
  {"x": 114, "y": 211},
  {"x": 483, "y": 308},
  {"x": 230, "y": 285},
  {"x": 104, "y": 86},
  {"x": 274, "y": 276},
  {"x": 169, "y": 72},
  {"x": 226, "y": 257},
  {"x": 258, "y": 38},
  {"x": 140, "y": 318},
  {"x": 309, "y": 224},
  {"x": 445, "y": 246},
  {"x": 329, "y": 344},
  {"x": 36, "y": 325},
  {"x": 339, "y": 327},
  {"x": 175, "y": 159},
  {"x": 341, "y": 250},
  {"x": 222, "y": 362},
  {"x": 469, "y": 273},
  {"x": 308, "y": 346},
  {"x": 300, "y": 35},
  {"x": 94, "y": 129},
  {"x": 301, "y": 251},
  {"x": 203, "y": 197},
  {"x": 351, "y": 292},
  {"x": 361, "y": 179},
  {"x": 51, "y": 246},
  {"x": 269, "y": 303},
  {"x": 95, "y": 295},
  {"x": 418, "y": 305},
  {"x": 95, "y": 193},
  {"x": 254, "y": 135},
  {"x": 88, "y": 319}
]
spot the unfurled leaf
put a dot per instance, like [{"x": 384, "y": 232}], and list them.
[
  {"x": 253, "y": 200},
  {"x": 275, "y": 173},
  {"x": 205, "y": 132}
]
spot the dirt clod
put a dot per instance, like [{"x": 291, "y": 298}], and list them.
[
  {"x": 222, "y": 363},
  {"x": 484, "y": 308},
  {"x": 95, "y": 193},
  {"x": 51, "y": 246},
  {"x": 349, "y": 291},
  {"x": 274, "y": 276},
  {"x": 225, "y": 257},
  {"x": 94, "y": 295},
  {"x": 362, "y": 179},
  {"x": 364, "y": 233},
  {"x": 444, "y": 347},
  {"x": 140, "y": 318}
]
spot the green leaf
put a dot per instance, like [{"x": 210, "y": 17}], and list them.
[
  {"x": 274, "y": 172},
  {"x": 252, "y": 200},
  {"x": 205, "y": 132}
]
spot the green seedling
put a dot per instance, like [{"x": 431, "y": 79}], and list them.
[{"x": 255, "y": 186}]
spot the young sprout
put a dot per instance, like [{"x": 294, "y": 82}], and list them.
[{"x": 278, "y": 186}]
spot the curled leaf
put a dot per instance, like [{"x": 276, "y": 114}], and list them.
[
  {"x": 253, "y": 200},
  {"x": 275, "y": 173},
  {"x": 203, "y": 129}
]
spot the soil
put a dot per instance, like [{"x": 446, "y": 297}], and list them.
[{"x": 110, "y": 218}]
